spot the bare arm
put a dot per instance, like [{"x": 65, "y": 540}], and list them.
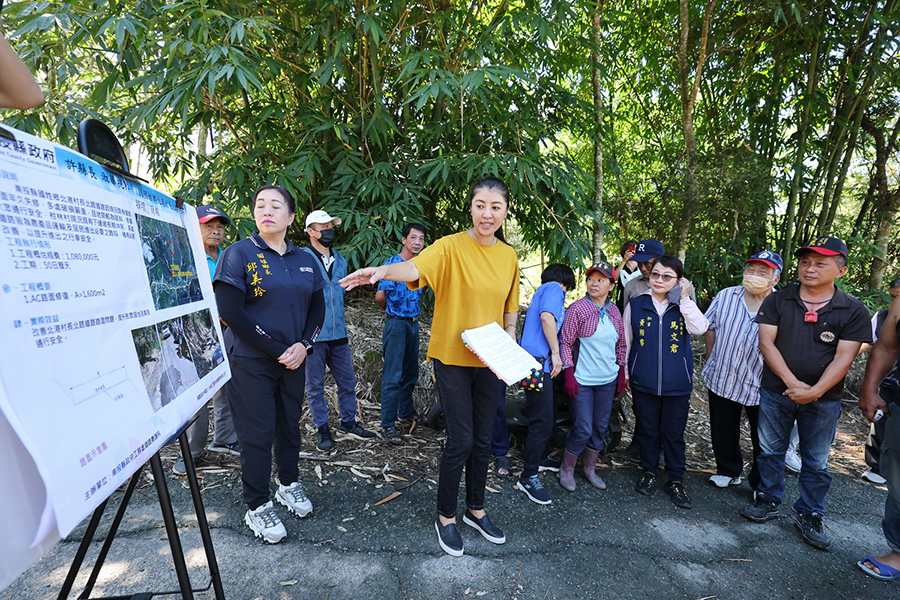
[
  {"x": 881, "y": 361},
  {"x": 18, "y": 89},
  {"x": 401, "y": 271},
  {"x": 548, "y": 324},
  {"x": 509, "y": 323},
  {"x": 773, "y": 357},
  {"x": 381, "y": 299}
]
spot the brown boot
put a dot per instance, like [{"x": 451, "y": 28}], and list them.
[
  {"x": 567, "y": 471},
  {"x": 588, "y": 468}
]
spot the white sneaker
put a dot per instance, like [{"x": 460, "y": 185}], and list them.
[
  {"x": 294, "y": 498},
  {"x": 792, "y": 460},
  {"x": 723, "y": 481},
  {"x": 265, "y": 523},
  {"x": 873, "y": 477}
]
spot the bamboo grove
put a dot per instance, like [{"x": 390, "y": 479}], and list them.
[{"x": 720, "y": 127}]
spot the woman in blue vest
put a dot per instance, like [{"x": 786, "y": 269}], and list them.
[{"x": 658, "y": 327}]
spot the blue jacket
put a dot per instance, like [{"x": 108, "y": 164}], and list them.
[
  {"x": 661, "y": 361},
  {"x": 335, "y": 325}
]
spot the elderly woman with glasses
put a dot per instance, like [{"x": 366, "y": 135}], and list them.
[{"x": 658, "y": 326}]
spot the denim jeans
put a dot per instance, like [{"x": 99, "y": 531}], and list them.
[
  {"x": 336, "y": 355},
  {"x": 660, "y": 420},
  {"x": 400, "y": 346},
  {"x": 590, "y": 410},
  {"x": 469, "y": 398},
  {"x": 816, "y": 423},
  {"x": 539, "y": 406},
  {"x": 890, "y": 470}
]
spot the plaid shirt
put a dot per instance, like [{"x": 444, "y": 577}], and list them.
[{"x": 582, "y": 318}]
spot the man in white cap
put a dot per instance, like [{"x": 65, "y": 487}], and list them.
[{"x": 331, "y": 347}]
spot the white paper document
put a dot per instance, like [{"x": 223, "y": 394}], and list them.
[{"x": 508, "y": 360}]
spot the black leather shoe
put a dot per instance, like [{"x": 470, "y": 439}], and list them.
[
  {"x": 484, "y": 526},
  {"x": 449, "y": 538}
]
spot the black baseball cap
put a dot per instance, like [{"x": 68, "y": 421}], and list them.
[
  {"x": 206, "y": 213},
  {"x": 825, "y": 245},
  {"x": 604, "y": 268}
]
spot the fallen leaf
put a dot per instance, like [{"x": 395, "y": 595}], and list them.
[{"x": 288, "y": 582}]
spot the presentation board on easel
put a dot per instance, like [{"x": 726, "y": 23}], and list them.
[{"x": 110, "y": 333}]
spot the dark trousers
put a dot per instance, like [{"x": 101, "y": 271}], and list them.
[
  {"x": 266, "y": 402},
  {"x": 469, "y": 399},
  {"x": 539, "y": 407},
  {"x": 876, "y": 432},
  {"x": 725, "y": 430},
  {"x": 660, "y": 420},
  {"x": 400, "y": 346},
  {"x": 500, "y": 430}
]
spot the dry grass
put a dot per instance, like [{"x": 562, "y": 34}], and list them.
[{"x": 377, "y": 462}]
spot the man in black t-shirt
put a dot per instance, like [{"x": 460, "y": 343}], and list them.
[{"x": 809, "y": 335}]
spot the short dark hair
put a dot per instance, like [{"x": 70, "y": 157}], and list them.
[
  {"x": 672, "y": 262},
  {"x": 559, "y": 273},
  {"x": 286, "y": 195},
  {"x": 409, "y": 227},
  {"x": 894, "y": 283}
]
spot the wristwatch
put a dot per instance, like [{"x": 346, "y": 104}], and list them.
[{"x": 308, "y": 345}]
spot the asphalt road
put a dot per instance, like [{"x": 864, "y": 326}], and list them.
[{"x": 587, "y": 544}]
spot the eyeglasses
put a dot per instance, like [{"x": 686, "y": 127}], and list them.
[{"x": 663, "y": 276}]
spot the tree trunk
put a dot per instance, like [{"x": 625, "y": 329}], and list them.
[
  {"x": 787, "y": 247},
  {"x": 597, "y": 82},
  {"x": 690, "y": 84},
  {"x": 886, "y": 203}
]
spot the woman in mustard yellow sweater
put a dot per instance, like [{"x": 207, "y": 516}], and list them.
[{"x": 475, "y": 279}]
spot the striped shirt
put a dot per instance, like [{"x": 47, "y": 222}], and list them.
[{"x": 735, "y": 365}]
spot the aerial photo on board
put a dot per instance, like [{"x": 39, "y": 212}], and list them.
[
  {"x": 174, "y": 354},
  {"x": 169, "y": 262}
]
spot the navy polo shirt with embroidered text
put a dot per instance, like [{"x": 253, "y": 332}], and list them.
[{"x": 277, "y": 288}]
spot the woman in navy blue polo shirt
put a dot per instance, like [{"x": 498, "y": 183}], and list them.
[
  {"x": 658, "y": 327},
  {"x": 270, "y": 294}
]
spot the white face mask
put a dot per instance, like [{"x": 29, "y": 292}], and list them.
[{"x": 756, "y": 285}]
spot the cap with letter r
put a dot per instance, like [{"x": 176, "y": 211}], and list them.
[
  {"x": 321, "y": 217},
  {"x": 648, "y": 250},
  {"x": 206, "y": 213},
  {"x": 824, "y": 245},
  {"x": 770, "y": 259}
]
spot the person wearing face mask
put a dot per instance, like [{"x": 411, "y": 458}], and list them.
[
  {"x": 734, "y": 366},
  {"x": 331, "y": 347}
]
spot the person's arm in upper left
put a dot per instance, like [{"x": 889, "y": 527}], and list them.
[{"x": 18, "y": 88}]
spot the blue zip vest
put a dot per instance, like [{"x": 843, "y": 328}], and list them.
[
  {"x": 335, "y": 325},
  {"x": 661, "y": 361}
]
